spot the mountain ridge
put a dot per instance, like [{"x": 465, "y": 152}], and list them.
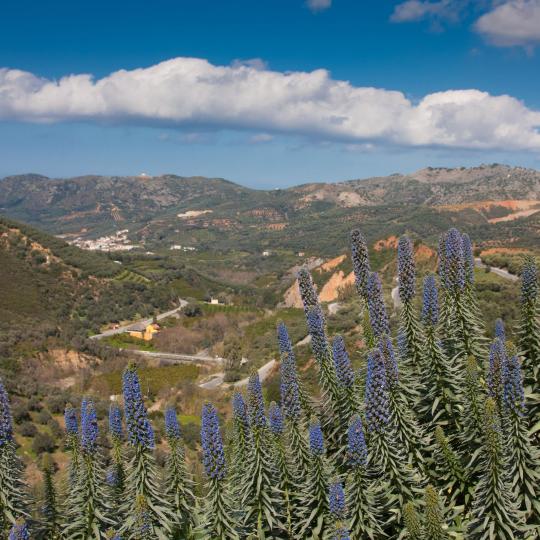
[{"x": 207, "y": 213}]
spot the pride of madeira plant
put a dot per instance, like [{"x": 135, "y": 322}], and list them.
[{"x": 418, "y": 428}]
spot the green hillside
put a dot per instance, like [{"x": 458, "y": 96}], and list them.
[
  {"x": 51, "y": 290},
  {"x": 211, "y": 214}
]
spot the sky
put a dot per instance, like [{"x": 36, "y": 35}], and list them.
[{"x": 268, "y": 93}]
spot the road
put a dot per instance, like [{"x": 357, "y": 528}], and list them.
[
  {"x": 216, "y": 379},
  {"x": 499, "y": 271},
  {"x": 173, "y": 358},
  {"x": 141, "y": 322},
  {"x": 395, "y": 296}
]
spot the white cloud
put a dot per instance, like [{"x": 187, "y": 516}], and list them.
[
  {"x": 318, "y": 5},
  {"x": 256, "y": 63},
  {"x": 516, "y": 22},
  {"x": 194, "y": 94},
  {"x": 416, "y": 10}
]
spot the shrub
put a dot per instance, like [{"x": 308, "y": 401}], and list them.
[
  {"x": 43, "y": 417},
  {"x": 28, "y": 429},
  {"x": 43, "y": 442}
]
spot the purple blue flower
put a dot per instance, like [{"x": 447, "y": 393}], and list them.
[
  {"x": 240, "y": 413},
  {"x": 341, "y": 533},
  {"x": 468, "y": 258},
  {"x": 140, "y": 432},
  {"x": 143, "y": 518},
  {"x": 111, "y": 477},
  {"x": 389, "y": 358},
  {"x": 497, "y": 368},
  {"x": 514, "y": 394},
  {"x": 115, "y": 422},
  {"x": 315, "y": 323},
  {"x": 275, "y": 419},
  {"x": 406, "y": 270},
  {"x": 172, "y": 426},
  {"x": 499, "y": 330},
  {"x": 357, "y": 452},
  {"x": 360, "y": 261},
  {"x": 316, "y": 440},
  {"x": 336, "y": 500},
  {"x": 19, "y": 531},
  {"x": 376, "y": 396},
  {"x": 6, "y": 423},
  {"x": 430, "y": 306},
  {"x": 377, "y": 310},
  {"x": 454, "y": 271},
  {"x": 255, "y": 401},
  {"x": 70, "y": 420},
  {"x": 89, "y": 427},
  {"x": 289, "y": 389},
  {"x": 212, "y": 444},
  {"x": 308, "y": 293},
  {"x": 284, "y": 342},
  {"x": 342, "y": 363},
  {"x": 529, "y": 282}
]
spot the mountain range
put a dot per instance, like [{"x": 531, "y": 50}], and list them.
[{"x": 497, "y": 201}]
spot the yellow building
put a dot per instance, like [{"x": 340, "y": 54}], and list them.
[{"x": 147, "y": 333}]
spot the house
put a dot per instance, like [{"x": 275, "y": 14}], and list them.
[
  {"x": 266, "y": 254},
  {"x": 214, "y": 301},
  {"x": 146, "y": 333}
]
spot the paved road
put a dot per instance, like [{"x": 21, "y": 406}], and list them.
[
  {"x": 141, "y": 322},
  {"x": 499, "y": 271},
  {"x": 395, "y": 296},
  {"x": 173, "y": 358},
  {"x": 217, "y": 378}
]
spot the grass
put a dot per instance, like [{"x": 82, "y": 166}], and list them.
[
  {"x": 185, "y": 290},
  {"x": 210, "y": 309},
  {"x": 128, "y": 275},
  {"x": 290, "y": 316},
  {"x": 125, "y": 341},
  {"x": 260, "y": 341},
  {"x": 189, "y": 419},
  {"x": 152, "y": 379}
]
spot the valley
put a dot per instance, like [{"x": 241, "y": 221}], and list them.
[{"x": 76, "y": 292}]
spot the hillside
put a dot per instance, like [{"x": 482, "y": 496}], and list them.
[
  {"x": 493, "y": 202},
  {"x": 56, "y": 292}
]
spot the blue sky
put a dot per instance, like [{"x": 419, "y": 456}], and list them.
[{"x": 238, "y": 112}]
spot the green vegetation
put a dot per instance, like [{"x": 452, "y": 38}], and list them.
[
  {"x": 89, "y": 263},
  {"x": 125, "y": 341},
  {"x": 128, "y": 275},
  {"x": 510, "y": 261},
  {"x": 153, "y": 379}
]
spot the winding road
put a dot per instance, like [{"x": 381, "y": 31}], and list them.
[
  {"x": 140, "y": 322},
  {"x": 173, "y": 358},
  {"x": 499, "y": 271},
  {"x": 216, "y": 379}
]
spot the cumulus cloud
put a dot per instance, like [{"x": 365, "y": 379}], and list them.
[
  {"x": 516, "y": 22},
  {"x": 193, "y": 94},
  {"x": 257, "y": 63},
  {"x": 318, "y": 5}
]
